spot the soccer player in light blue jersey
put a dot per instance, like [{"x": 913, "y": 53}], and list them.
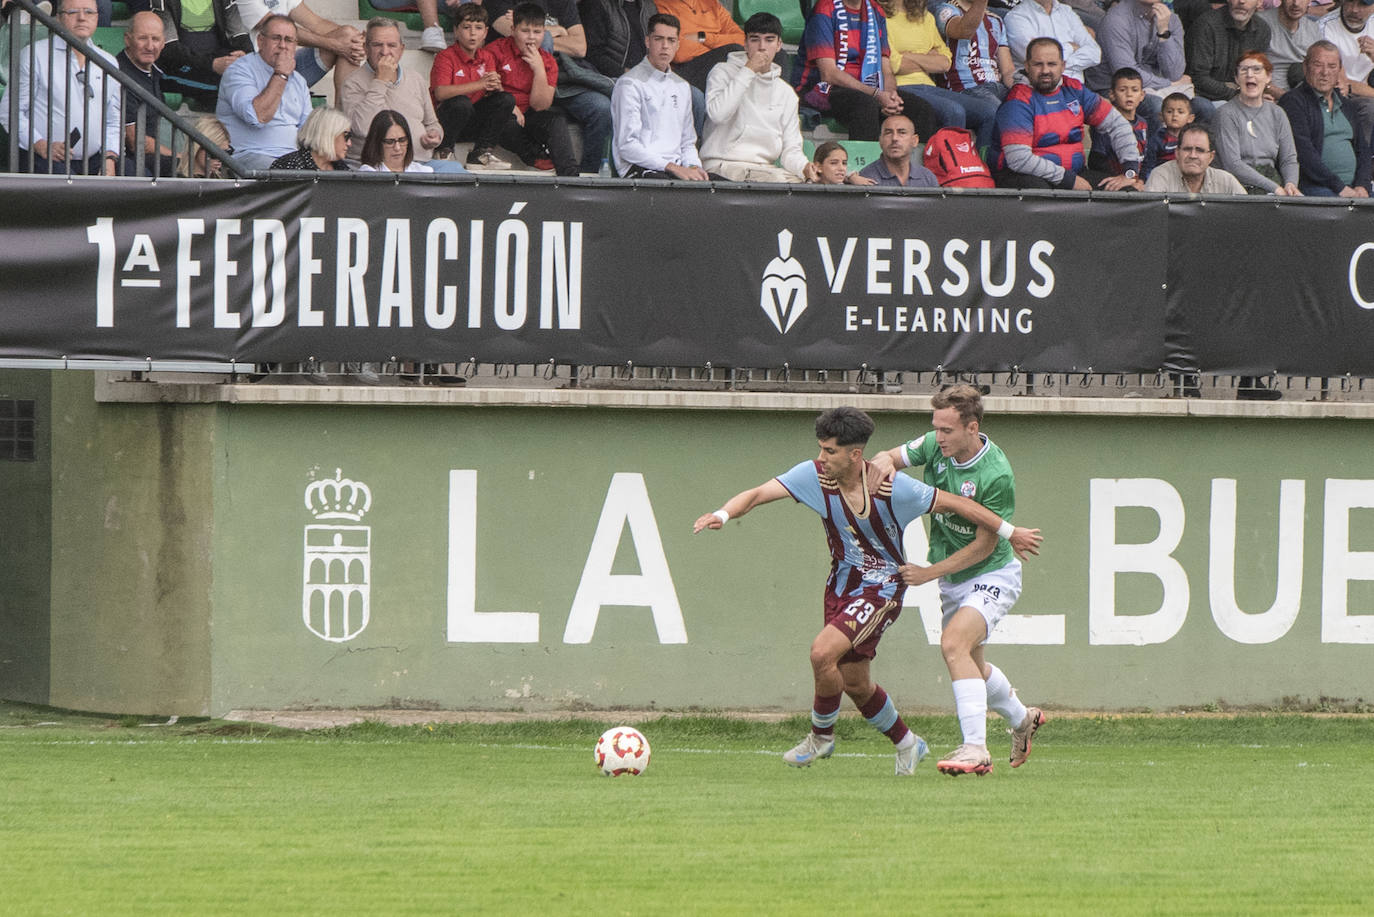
[
  {"x": 980, "y": 580},
  {"x": 863, "y": 594}
]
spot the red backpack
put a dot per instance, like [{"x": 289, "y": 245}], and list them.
[{"x": 953, "y": 156}]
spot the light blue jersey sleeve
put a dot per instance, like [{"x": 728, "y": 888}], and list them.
[
  {"x": 911, "y": 498},
  {"x": 801, "y": 482}
]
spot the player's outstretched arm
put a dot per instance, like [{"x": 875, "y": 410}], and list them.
[
  {"x": 885, "y": 465},
  {"x": 982, "y": 545},
  {"x": 1023, "y": 540},
  {"x": 742, "y": 503}
]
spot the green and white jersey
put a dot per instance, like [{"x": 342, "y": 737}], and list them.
[{"x": 985, "y": 478}]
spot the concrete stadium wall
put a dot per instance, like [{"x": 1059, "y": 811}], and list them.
[{"x": 534, "y": 556}]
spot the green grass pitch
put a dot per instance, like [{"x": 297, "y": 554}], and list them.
[{"x": 1135, "y": 815}]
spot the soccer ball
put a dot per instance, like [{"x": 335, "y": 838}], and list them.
[{"x": 622, "y": 751}]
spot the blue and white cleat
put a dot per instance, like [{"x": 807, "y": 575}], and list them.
[
  {"x": 909, "y": 757},
  {"x": 812, "y": 747}
]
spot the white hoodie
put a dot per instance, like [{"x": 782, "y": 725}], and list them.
[{"x": 751, "y": 118}]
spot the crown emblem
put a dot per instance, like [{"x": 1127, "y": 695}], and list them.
[{"x": 338, "y": 498}]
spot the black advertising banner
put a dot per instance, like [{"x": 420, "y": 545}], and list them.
[
  {"x": 528, "y": 272},
  {"x": 1256, "y": 287}
]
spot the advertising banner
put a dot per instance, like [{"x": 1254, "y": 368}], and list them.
[
  {"x": 529, "y": 272},
  {"x": 532, "y": 272}
]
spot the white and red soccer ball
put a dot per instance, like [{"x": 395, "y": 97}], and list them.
[{"x": 622, "y": 752}]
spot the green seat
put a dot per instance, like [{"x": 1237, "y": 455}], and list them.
[
  {"x": 788, "y": 12},
  {"x": 119, "y": 11},
  {"x": 411, "y": 18},
  {"x": 109, "y": 38},
  {"x": 861, "y": 152}
]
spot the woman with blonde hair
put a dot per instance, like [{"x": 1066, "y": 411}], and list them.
[
  {"x": 323, "y": 141},
  {"x": 196, "y": 161}
]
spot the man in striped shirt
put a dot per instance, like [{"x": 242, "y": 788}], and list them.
[
  {"x": 863, "y": 594},
  {"x": 1039, "y": 138}
]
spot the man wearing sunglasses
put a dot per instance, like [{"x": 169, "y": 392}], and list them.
[{"x": 68, "y": 112}]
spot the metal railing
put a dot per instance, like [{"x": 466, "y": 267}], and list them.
[{"x": 29, "y": 43}]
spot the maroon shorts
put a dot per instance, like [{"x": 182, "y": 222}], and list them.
[{"x": 863, "y": 619}]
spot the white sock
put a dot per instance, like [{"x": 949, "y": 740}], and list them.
[
  {"x": 971, "y": 706},
  {"x": 1002, "y": 698}
]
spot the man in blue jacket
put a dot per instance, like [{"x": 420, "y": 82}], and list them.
[{"x": 1333, "y": 145}]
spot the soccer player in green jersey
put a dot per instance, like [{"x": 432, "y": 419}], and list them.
[{"x": 980, "y": 579}]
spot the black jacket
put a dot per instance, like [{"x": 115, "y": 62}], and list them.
[
  {"x": 1304, "y": 108},
  {"x": 177, "y": 58},
  {"x": 609, "y": 35}
]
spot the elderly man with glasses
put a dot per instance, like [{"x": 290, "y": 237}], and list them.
[
  {"x": 1190, "y": 171},
  {"x": 263, "y": 101},
  {"x": 68, "y": 111}
]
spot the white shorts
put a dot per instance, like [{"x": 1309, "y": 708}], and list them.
[{"x": 991, "y": 594}]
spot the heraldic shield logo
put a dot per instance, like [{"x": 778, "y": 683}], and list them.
[
  {"x": 782, "y": 296},
  {"x": 335, "y": 601}
]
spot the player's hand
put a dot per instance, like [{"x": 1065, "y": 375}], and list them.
[
  {"x": 811, "y": 173},
  {"x": 854, "y": 178},
  {"x": 884, "y": 469},
  {"x": 1025, "y": 541},
  {"x": 915, "y": 574},
  {"x": 431, "y": 138},
  {"x": 1161, "y": 14},
  {"x": 1081, "y": 184},
  {"x": 491, "y": 82},
  {"x": 891, "y": 101},
  {"x": 708, "y": 521}
]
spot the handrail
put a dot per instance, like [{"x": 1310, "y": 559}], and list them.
[{"x": 126, "y": 158}]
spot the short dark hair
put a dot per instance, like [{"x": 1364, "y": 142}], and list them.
[
  {"x": 1198, "y": 127},
  {"x": 667, "y": 19},
  {"x": 1044, "y": 40},
  {"x": 964, "y": 398},
  {"x": 763, "y": 24},
  {"x": 471, "y": 12},
  {"x": 1126, "y": 73},
  {"x": 1177, "y": 97},
  {"x": 527, "y": 14},
  {"x": 846, "y": 425}
]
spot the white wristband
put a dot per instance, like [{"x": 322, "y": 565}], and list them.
[
  {"x": 1006, "y": 529},
  {"x": 722, "y": 515}
]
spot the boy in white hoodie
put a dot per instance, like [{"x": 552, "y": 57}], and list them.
[{"x": 752, "y": 130}]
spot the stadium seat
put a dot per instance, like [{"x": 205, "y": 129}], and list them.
[
  {"x": 119, "y": 11},
  {"x": 109, "y": 38},
  {"x": 861, "y": 152},
  {"x": 788, "y": 11},
  {"x": 410, "y": 17}
]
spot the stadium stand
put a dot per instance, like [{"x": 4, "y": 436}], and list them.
[{"x": 743, "y": 378}]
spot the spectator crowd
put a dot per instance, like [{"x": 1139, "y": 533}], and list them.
[
  {"x": 1087, "y": 94},
  {"x": 1191, "y": 96}
]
